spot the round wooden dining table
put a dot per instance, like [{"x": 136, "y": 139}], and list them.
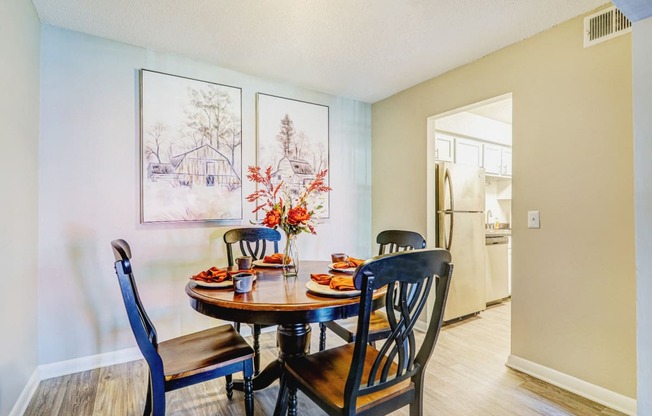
[{"x": 276, "y": 300}]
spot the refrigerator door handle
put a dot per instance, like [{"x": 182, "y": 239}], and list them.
[
  {"x": 449, "y": 242},
  {"x": 447, "y": 180}
]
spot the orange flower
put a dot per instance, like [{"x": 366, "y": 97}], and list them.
[
  {"x": 273, "y": 218},
  {"x": 298, "y": 215}
]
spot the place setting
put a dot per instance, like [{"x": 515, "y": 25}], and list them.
[
  {"x": 240, "y": 279},
  {"x": 339, "y": 284},
  {"x": 273, "y": 261}
]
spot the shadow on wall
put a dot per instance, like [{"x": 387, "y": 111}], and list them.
[
  {"x": 95, "y": 291},
  {"x": 161, "y": 269}
]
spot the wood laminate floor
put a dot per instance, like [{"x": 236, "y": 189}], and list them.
[{"x": 466, "y": 376}]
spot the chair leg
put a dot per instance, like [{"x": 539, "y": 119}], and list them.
[
  {"x": 322, "y": 336},
  {"x": 148, "y": 398},
  {"x": 229, "y": 386},
  {"x": 281, "y": 408},
  {"x": 292, "y": 408},
  {"x": 416, "y": 407},
  {"x": 249, "y": 396},
  {"x": 158, "y": 398},
  {"x": 256, "y": 349}
]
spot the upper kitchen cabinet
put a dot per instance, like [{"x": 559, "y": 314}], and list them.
[
  {"x": 444, "y": 147},
  {"x": 468, "y": 152},
  {"x": 492, "y": 159},
  {"x": 497, "y": 160},
  {"x": 507, "y": 161}
]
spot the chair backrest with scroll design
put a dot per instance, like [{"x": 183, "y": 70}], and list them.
[
  {"x": 252, "y": 242},
  {"x": 391, "y": 241},
  {"x": 409, "y": 277}
]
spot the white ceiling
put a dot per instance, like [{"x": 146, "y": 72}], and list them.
[
  {"x": 362, "y": 49},
  {"x": 499, "y": 110}
]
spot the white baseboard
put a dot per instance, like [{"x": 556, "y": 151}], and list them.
[
  {"x": 582, "y": 388},
  {"x": 26, "y": 395},
  {"x": 76, "y": 365}
]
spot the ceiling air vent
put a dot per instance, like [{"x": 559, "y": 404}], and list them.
[{"x": 604, "y": 25}]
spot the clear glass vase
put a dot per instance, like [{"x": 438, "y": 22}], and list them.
[{"x": 291, "y": 256}]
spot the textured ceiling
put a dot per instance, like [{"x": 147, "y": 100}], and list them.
[{"x": 362, "y": 49}]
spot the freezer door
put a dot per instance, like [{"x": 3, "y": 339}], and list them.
[
  {"x": 467, "y": 246},
  {"x": 460, "y": 188}
]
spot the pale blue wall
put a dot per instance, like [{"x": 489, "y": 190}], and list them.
[
  {"x": 642, "y": 89},
  {"x": 89, "y": 193},
  {"x": 19, "y": 112}
]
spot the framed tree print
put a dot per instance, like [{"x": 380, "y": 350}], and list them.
[
  {"x": 293, "y": 140},
  {"x": 191, "y": 149}
]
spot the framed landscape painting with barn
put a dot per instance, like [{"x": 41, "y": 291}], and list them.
[
  {"x": 191, "y": 149},
  {"x": 293, "y": 140}
]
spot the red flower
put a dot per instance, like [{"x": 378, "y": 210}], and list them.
[
  {"x": 298, "y": 215},
  {"x": 273, "y": 218}
]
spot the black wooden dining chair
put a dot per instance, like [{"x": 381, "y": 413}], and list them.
[
  {"x": 186, "y": 360},
  {"x": 254, "y": 242},
  {"x": 389, "y": 241},
  {"x": 377, "y": 381}
]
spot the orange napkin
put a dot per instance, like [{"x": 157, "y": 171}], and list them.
[
  {"x": 355, "y": 262},
  {"x": 350, "y": 262},
  {"x": 321, "y": 278},
  {"x": 276, "y": 258},
  {"x": 341, "y": 265},
  {"x": 342, "y": 283},
  {"x": 212, "y": 275}
]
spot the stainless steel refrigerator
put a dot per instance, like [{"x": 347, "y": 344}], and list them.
[{"x": 460, "y": 228}]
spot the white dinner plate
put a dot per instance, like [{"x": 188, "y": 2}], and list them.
[
  {"x": 348, "y": 270},
  {"x": 261, "y": 263},
  {"x": 325, "y": 290},
  {"x": 222, "y": 284}
]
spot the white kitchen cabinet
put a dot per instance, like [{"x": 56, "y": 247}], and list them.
[
  {"x": 506, "y": 156},
  {"x": 497, "y": 279},
  {"x": 444, "y": 147},
  {"x": 468, "y": 152},
  {"x": 492, "y": 155}
]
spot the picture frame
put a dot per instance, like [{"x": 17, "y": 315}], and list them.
[
  {"x": 293, "y": 138},
  {"x": 190, "y": 149}
]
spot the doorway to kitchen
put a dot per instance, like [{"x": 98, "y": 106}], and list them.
[{"x": 470, "y": 201}]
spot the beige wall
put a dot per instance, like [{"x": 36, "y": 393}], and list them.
[
  {"x": 573, "y": 279},
  {"x": 19, "y": 112}
]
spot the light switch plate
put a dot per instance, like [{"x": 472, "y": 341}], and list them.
[{"x": 533, "y": 219}]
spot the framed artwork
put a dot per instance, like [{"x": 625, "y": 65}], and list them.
[
  {"x": 293, "y": 140},
  {"x": 191, "y": 149}
]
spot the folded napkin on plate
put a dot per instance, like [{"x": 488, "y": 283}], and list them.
[
  {"x": 276, "y": 258},
  {"x": 342, "y": 283},
  {"x": 321, "y": 278},
  {"x": 212, "y": 275},
  {"x": 350, "y": 262}
]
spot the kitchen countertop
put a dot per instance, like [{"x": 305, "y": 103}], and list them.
[{"x": 502, "y": 232}]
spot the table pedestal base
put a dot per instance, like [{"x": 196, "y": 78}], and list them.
[{"x": 293, "y": 341}]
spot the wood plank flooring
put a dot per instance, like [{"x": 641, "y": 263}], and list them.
[{"x": 466, "y": 376}]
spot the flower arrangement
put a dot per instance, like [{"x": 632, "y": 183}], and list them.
[
  {"x": 288, "y": 207},
  {"x": 284, "y": 206}
]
